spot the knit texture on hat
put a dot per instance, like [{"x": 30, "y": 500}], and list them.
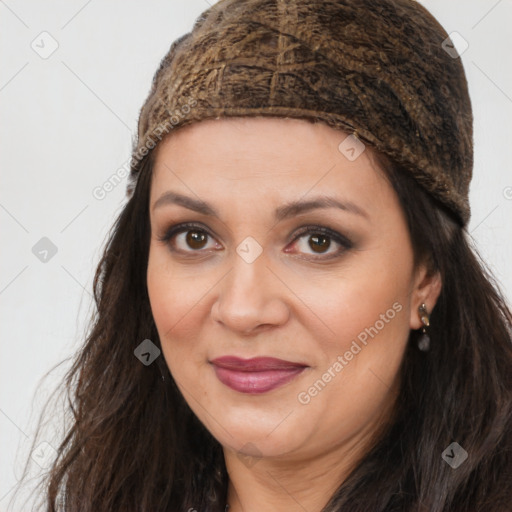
[{"x": 373, "y": 68}]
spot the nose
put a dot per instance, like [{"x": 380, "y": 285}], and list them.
[{"x": 251, "y": 298}]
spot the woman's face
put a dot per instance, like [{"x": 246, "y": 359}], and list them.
[{"x": 330, "y": 308}]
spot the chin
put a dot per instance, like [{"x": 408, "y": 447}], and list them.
[{"x": 260, "y": 435}]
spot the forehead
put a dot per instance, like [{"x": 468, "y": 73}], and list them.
[
  {"x": 254, "y": 137},
  {"x": 266, "y": 159}
]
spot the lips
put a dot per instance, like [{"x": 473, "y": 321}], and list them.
[{"x": 256, "y": 375}]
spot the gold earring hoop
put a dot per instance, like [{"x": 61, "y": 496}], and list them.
[{"x": 424, "y": 339}]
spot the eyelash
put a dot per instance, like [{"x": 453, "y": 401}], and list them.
[{"x": 345, "y": 243}]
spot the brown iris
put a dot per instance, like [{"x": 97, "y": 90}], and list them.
[
  {"x": 317, "y": 240},
  {"x": 195, "y": 239}
]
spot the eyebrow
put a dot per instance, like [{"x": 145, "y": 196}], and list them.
[{"x": 290, "y": 209}]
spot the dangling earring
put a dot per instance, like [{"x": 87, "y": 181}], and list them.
[{"x": 424, "y": 340}]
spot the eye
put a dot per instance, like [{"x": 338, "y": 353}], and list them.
[
  {"x": 186, "y": 238},
  {"x": 318, "y": 239},
  {"x": 189, "y": 238}
]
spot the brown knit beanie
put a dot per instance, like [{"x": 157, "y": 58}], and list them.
[{"x": 381, "y": 70}]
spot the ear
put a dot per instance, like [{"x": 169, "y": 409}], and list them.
[{"x": 426, "y": 289}]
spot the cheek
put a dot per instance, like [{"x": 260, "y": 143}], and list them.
[
  {"x": 162, "y": 293},
  {"x": 367, "y": 306},
  {"x": 172, "y": 292},
  {"x": 368, "y": 297},
  {"x": 367, "y": 309},
  {"x": 175, "y": 299},
  {"x": 354, "y": 380}
]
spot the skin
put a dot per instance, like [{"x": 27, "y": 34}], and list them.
[{"x": 289, "y": 303}]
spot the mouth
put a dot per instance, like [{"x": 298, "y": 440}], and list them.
[{"x": 257, "y": 375}]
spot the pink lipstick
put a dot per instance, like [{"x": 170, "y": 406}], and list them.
[{"x": 256, "y": 375}]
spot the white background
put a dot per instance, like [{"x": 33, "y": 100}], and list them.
[{"x": 67, "y": 124}]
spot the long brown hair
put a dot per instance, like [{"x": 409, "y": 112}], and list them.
[{"x": 133, "y": 443}]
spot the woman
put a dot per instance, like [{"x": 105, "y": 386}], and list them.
[{"x": 290, "y": 314}]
